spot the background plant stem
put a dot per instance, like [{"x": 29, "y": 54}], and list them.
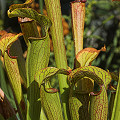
[
  {"x": 54, "y": 13},
  {"x": 41, "y": 6}
]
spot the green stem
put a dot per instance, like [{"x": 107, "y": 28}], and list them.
[
  {"x": 41, "y": 6},
  {"x": 116, "y": 108},
  {"x": 111, "y": 104},
  {"x": 54, "y": 13}
]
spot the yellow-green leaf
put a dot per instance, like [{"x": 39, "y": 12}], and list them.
[
  {"x": 102, "y": 74},
  {"x": 24, "y": 5},
  {"x": 44, "y": 21},
  {"x": 51, "y": 104},
  {"x": 99, "y": 103},
  {"x": 11, "y": 66},
  {"x": 45, "y": 73},
  {"x": 99, "y": 106},
  {"x": 74, "y": 106},
  {"x": 87, "y": 55},
  {"x": 88, "y": 71},
  {"x": 16, "y": 50},
  {"x": 116, "y": 107},
  {"x": 7, "y": 40},
  {"x": 78, "y": 105},
  {"x": 37, "y": 58}
]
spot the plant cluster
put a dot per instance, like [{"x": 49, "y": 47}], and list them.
[{"x": 82, "y": 93}]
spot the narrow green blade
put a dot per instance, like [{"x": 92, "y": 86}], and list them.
[{"x": 116, "y": 108}]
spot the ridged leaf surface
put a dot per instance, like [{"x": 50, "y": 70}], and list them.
[
  {"x": 11, "y": 66},
  {"x": 51, "y": 104},
  {"x": 37, "y": 57},
  {"x": 45, "y": 73}
]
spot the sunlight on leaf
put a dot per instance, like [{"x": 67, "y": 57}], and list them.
[{"x": 87, "y": 55}]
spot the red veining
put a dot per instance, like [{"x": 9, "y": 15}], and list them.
[{"x": 14, "y": 57}]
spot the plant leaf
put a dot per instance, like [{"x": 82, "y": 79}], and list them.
[
  {"x": 102, "y": 78},
  {"x": 44, "y": 21},
  {"x": 78, "y": 105},
  {"x": 87, "y": 55},
  {"x": 24, "y": 5},
  {"x": 16, "y": 50},
  {"x": 37, "y": 58},
  {"x": 88, "y": 71},
  {"x": 29, "y": 28},
  {"x": 54, "y": 13},
  {"x": 116, "y": 107},
  {"x": 111, "y": 104},
  {"x": 102, "y": 74},
  {"x": 51, "y": 104},
  {"x": 99, "y": 105},
  {"x": 114, "y": 76},
  {"x": 7, "y": 40},
  {"x": 11, "y": 66},
  {"x": 78, "y": 19},
  {"x": 45, "y": 73},
  {"x": 74, "y": 106}
]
